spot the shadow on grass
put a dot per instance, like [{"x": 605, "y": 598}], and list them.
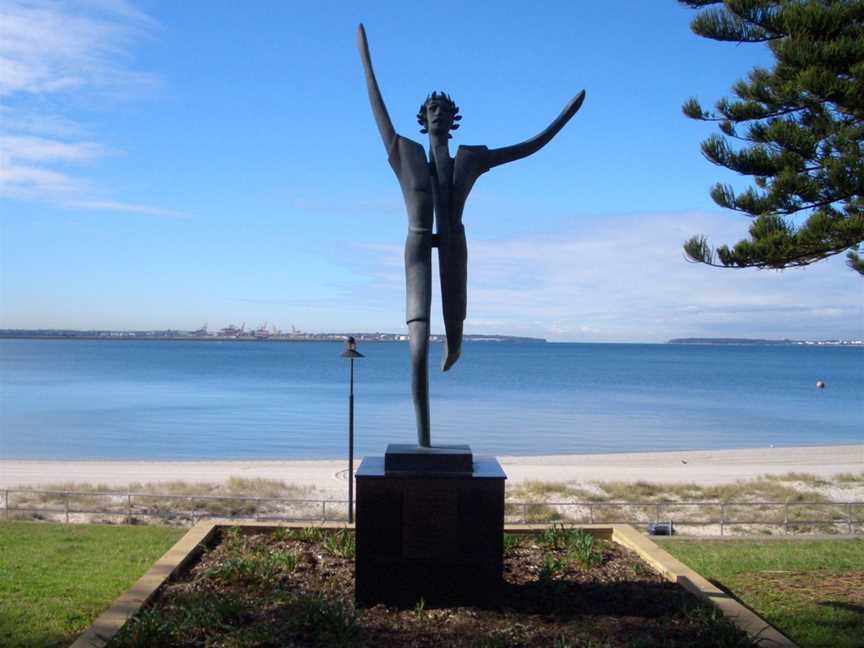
[
  {"x": 44, "y": 639},
  {"x": 842, "y": 605}
]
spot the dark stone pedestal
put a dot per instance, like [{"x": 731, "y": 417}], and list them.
[{"x": 428, "y": 532}]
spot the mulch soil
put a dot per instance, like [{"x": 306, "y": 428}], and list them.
[{"x": 293, "y": 589}]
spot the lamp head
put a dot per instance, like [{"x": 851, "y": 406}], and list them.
[{"x": 351, "y": 349}]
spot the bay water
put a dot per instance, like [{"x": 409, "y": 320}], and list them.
[{"x": 185, "y": 400}]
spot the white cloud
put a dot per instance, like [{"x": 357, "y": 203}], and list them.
[
  {"x": 49, "y": 47},
  {"x": 111, "y": 205},
  {"x": 33, "y": 122},
  {"x": 58, "y": 48},
  {"x": 626, "y": 279},
  {"x": 24, "y": 182},
  {"x": 40, "y": 149}
]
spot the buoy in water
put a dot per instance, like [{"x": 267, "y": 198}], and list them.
[{"x": 820, "y": 384}]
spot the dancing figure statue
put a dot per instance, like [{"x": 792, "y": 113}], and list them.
[{"x": 435, "y": 190}]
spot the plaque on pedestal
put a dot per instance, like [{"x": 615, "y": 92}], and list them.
[{"x": 429, "y": 532}]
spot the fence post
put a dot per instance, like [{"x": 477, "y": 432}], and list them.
[
  {"x": 6, "y": 504},
  {"x": 848, "y": 515},
  {"x": 590, "y": 513},
  {"x": 323, "y": 510},
  {"x": 722, "y": 518},
  {"x": 66, "y": 502},
  {"x": 524, "y": 512},
  {"x": 786, "y": 519}
]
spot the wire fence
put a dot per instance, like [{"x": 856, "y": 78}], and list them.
[
  {"x": 702, "y": 517},
  {"x": 687, "y": 518}
]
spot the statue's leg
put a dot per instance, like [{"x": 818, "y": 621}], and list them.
[
  {"x": 418, "y": 284},
  {"x": 453, "y": 267},
  {"x": 419, "y": 335}
]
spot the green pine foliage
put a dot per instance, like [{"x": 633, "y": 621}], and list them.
[{"x": 796, "y": 130}]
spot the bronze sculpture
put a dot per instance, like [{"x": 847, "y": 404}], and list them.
[{"x": 436, "y": 190}]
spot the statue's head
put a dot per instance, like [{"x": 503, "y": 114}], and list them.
[{"x": 438, "y": 114}]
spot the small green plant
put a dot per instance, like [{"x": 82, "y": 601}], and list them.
[
  {"x": 339, "y": 543},
  {"x": 552, "y": 566},
  {"x": 561, "y": 641},
  {"x": 720, "y": 630},
  {"x": 556, "y": 537},
  {"x": 311, "y": 534},
  {"x": 183, "y": 624},
  {"x": 642, "y": 569},
  {"x": 284, "y": 560},
  {"x": 149, "y": 629},
  {"x": 512, "y": 542},
  {"x": 329, "y": 622},
  {"x": 207, "y": 610},
  {"x": 584, "y": 549},
  {"x": 254, "y": 635},
  {"x": 234, "y": 538},
  {"x": 236, "y": 570},
  {"x": 256, "y": 566},
  {"x": 420, "y": 610},
  {"x": 579, "y": 545}
]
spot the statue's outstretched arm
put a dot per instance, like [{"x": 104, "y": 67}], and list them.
[
  {"x": 385, "y": 126},
  {"x": 526, "y": 148}
]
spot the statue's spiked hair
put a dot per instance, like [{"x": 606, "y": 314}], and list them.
[{"x": 449, "y": 104}]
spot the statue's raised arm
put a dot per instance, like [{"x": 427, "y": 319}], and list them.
[
  {"x": 385, "y": 126},
  {"x": 524, "y": 149}
]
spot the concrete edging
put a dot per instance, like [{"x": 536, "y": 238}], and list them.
[
  {"x": 677, "y": 572},
  {"x": 176, "y": 558},
  {"x": 127, "y": 605},
  {"x": 189, "y": 546}
]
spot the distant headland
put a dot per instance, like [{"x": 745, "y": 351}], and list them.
[
  {"x": 233, "y": 333},
  {"x": 758, "y": 341}
]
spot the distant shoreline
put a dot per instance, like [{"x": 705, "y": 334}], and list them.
[
  {"x": 434, "y": 339},
  {"x": 761, "y": 342},
  {"x": 312, "y": 337},
  {"x": 393, "y": 337}
]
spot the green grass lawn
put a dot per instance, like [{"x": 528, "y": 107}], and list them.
[
  {"x": 56, "y": 579},
  {"x": 810, "y": 590}
]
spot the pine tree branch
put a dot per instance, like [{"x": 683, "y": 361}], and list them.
[
  {"x": 797, "y": 261},
  {"x": 803, "y": 143},
  {"x": 854, "y": 261},
  {"x": 817, "y": 205}
]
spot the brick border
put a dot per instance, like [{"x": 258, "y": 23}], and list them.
[
  {"x": 677, "y": 572},
  {"x": 190, "y": 545},
  {"x": 127, "y": 605},
  {"x": 175, "y": 559}
]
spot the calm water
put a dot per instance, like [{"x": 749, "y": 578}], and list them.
[{"x": 230, "y": 400}]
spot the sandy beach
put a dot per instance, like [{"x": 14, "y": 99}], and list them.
[{"x": 327, "y": 477}]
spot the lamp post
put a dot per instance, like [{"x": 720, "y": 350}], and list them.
[{"x": 351, "y": 353}]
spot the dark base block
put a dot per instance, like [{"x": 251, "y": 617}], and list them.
[
  {"x": 413, "y": 458},
  {"x": 431, "y": 536}
]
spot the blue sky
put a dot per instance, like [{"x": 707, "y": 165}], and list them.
[{"x": 167, "y": 164}]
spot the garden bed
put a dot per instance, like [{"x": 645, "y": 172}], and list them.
[{"x": 294, "y": 587}]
